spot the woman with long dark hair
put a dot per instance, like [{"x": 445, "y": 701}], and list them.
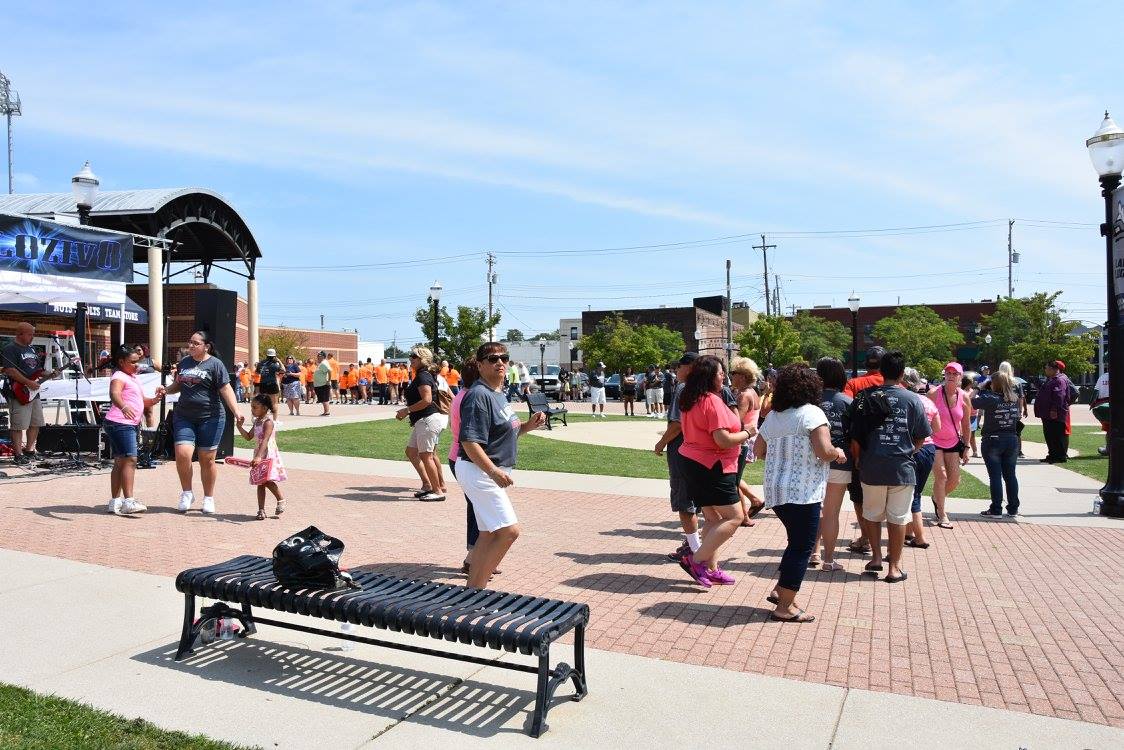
[
  {"x": 835, "y": 405},
  {"x": 199, "y": 416},
  {"x": 712, "y": 439},
  {"x": 795, "y": 442},
  {"x": 122, "y": 428},
  {"x": 291, "y": 385}
]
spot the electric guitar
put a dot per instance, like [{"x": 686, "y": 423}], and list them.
[{"x": 22, "y": 393}]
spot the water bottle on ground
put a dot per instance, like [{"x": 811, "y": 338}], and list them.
[
  {"x": 1097, "y": 505},
  {"x": 347, "y": 629}
]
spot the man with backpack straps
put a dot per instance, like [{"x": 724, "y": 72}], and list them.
[
  {"x": 888, "y": 425},
  {"x": 1051, "y": 405}
]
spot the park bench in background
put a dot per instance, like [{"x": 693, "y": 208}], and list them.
[
  {"x": 539, "y": 402},
  {"x": 479, "y": 617}
]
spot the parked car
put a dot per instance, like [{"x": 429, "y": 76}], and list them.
[
  {"x": 613, "y": 386},
  {"x": 548, "y": 384}
]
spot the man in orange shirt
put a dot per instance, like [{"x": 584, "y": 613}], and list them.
[
  {"x": 309, "y": 390},
  {"x": 454, "y": 380},
  {"x": 393, "y": 378},
  {"x": 382, "y": 381}
]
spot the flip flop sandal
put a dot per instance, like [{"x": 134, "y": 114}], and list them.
[
  {"x": 772, "y": 599},
  {"x": 870, "y": 569},
  {"x": 755, "y": 509},
  {"x": 799, "y": 617},
  {"x": 911, "y": 542},
  {"x": 944, "y": 524},
  {"x": 814, "y": 561},
  {"x": 858, "y": 549},
  {"x": 261, "y": 515},
  {"x": 896, "y": 579},
  {"x": 831, "y": 566}
]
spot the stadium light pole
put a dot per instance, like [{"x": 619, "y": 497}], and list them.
[
  {"x": 434, "y": 297},
  {"x": 853, "y": 303},
  {"x": 542, "y": 367},
  {"x": 1106, "y": 151}
]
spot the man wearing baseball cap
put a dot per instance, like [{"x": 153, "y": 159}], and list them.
[
  {"x": 1051, "y": 405},
  {"x": 672, "y": 438}
]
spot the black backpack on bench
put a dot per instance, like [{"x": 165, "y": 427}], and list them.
[{"x": 310, "y": 559}]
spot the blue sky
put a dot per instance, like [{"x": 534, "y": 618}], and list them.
[{"x": 357, "y": 133}]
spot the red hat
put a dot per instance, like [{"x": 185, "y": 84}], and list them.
[{"x": 1059, "y": 364}]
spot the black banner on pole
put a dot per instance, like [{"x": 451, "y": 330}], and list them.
[{"x": 49, "y": 248}]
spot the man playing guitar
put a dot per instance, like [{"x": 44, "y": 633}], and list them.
[{"x": 21, "y": 364}]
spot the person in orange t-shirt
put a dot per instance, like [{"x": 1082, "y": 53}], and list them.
[
  {"x": 334, "y": 366},
  {"x": 454, "y": 379},
  {"x": 309, "y": 390},
  {"x": 244, "y": 380},
  {"x": 393, "y": 378},
  {"x": 872, "y": 378},
  {"x": 345, "y": 385},
  {"x": 382, "y": 381}
]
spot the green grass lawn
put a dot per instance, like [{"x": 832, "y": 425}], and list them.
[
  {"x": 1086, "y": 440},
  {"x": 39, "y": 722},
  {"x": 386, "y": 439}
]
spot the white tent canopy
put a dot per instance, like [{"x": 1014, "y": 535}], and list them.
[{"x": 18, "y": 288}]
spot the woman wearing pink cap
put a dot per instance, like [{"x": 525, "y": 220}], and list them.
[{"x": 952, "y": 438}]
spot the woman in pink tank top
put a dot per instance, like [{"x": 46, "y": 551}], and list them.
[{"x": 952, "y": 438}]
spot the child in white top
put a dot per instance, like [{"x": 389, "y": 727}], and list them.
[{"x": 265, "y": 448}]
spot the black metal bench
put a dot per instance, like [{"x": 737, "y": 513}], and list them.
[
  {"x": 480, "y": 617},
  {"x": 539, "y": 402}
]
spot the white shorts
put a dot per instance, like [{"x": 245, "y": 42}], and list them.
[
  {"x": 654, "y": 396},
  {"x": 597, "y": 395},
  {"x": 426, "y": 431},
  {"x": 890, "y": 503},
  {"x": 838, "y": 476},
  {"x": 490, "y": 503}
]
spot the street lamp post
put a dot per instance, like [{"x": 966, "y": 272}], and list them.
[
  {"x": 853, "y": 303},
  {"x": 542, "y": 367},
  {"x": 1106, "y": 150},
  {"x": 84, "y": 186},
  {"x": 434, "y": 297}
]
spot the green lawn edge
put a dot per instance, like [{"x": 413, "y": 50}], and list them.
[{"x": 32, "y": 721}]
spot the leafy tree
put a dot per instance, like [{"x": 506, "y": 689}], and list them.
[
  {"x": 286, "y": 342},
  {"x": 925, "y": 338},
  {"x": 547, "y": 336},
  {"x": 513, "y": 335},
  {"x": 770, "y": 341},
  {"x": 394, "y": 352},
  {"x": 819, "y": 337},
  {"x": 619, "y": 344},
  {"x": 1030, "y": 332},
  {"x": 460, "y": 337}
]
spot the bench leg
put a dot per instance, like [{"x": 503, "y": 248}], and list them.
[
  {"x": 538, "y": 719},
  {"x": 188, "y": 621},
  {"x": 580, "y": 685},
  {"x": 249, "y": 621}
]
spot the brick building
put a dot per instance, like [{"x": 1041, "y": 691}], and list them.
[
  {"x": 968, "y": 316},
  {"x": 702, "y": 325}
]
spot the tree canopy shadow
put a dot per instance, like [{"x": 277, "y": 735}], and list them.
[{"x": 629, "y": 583}]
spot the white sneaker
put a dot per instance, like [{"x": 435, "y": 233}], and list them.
[
  {"x": 114, "y": 505},
  {"x": 131, "y": 506},
  {"x": 187, "y": 499},
  {"x": 209, "y": 506}
]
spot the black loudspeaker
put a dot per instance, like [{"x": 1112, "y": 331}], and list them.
[
  {"x": 216, "y": 312},
  {"x": 62, "y": 439}
]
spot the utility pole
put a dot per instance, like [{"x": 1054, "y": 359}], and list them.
[
  {"x": 764, "y": 248},
  {"x": 491, "y": 258},
  {"x": 729, "y": 319},
  {"x": 9, "y": 106},
  {"x": 776, "y": 295},
  {"x": 1011, "y": 260}
]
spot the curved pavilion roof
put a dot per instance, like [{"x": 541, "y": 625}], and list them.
[{"x": 204, "y": 225}]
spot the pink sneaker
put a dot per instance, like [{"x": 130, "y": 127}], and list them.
[
  {"x": 720, "y": 577},
  {"x": 696, "y": 571}
]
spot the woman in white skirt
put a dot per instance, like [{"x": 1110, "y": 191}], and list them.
[{"x": 489, "y": 433}]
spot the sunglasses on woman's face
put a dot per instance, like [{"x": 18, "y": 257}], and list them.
[{"x": 493, "y": 358}]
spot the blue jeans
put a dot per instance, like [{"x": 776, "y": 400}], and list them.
[
  {"x": 801, "y": 525},
  {"x": 999, "y": 454},
  {"x": 923, "y": 461}
]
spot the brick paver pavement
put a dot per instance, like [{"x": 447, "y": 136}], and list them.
[{"x": 1023, "y": 617}]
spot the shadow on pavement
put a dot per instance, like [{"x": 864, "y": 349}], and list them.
[
  {"x": 332, "y": 679},
  {"x": 622, "y": 558},
  {"x": 702, "y": 614},
  {"x": 644, "y": 533},
  {"x": 627, "y": 583}
]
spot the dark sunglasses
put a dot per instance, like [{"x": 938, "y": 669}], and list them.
[{"x": 493, "y": 358}]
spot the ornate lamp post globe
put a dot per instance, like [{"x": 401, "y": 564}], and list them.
[
  {"x": 853, "y": 303},
  {"x": 1106, "y": 151},
  {"x": 84, "y": 186}
]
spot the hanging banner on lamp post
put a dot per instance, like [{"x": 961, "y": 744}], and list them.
[{"x": 48, "y": 248}]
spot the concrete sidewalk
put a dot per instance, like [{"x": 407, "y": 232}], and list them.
[{"x": 282, "y": 689}]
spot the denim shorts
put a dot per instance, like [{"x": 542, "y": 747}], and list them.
[
  {"x": 122, "y": 438},
  {"x": 204, "y": 434}
]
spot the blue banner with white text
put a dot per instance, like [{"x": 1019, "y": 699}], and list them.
[{"x": 47, "y": 247}]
